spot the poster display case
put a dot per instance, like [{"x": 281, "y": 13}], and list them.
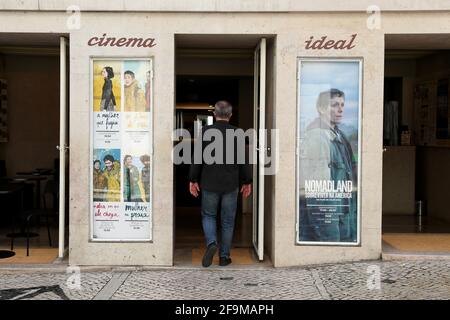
[
  {"x": 121, "y": 149},
  {"x": 328, "y": 151}
]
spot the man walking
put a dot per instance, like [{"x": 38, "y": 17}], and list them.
[{"x": 218, "y": 181}]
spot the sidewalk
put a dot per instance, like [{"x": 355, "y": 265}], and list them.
[{"x": 398, "y": 280}]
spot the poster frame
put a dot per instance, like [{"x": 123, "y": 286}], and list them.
[
  {"x": 93, "y": 58},
  {"x": 300, "y": 60}
]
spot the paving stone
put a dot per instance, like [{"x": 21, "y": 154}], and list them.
[
  {"x": 90, "y": 284},
  {"x": 378, "y": 280}
]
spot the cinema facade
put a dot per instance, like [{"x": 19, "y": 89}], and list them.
[{"x": 312, "y": 202}]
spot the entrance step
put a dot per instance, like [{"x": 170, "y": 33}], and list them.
[
  {"x": 241, "y": 258},
  {"x": 416, "y": 246}
]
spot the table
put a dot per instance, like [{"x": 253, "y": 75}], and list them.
[
  {"x": 9, "y": 188},
  {"x": 36, "y": 178},
  {"x": 42, "y": 171}
]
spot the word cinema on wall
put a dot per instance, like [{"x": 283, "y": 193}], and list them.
[
  {"x": 121, "y": 157},
  {"x": 329, "y": 151}
]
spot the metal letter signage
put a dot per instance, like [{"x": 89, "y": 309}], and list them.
[
  {"x": 105, "y": 41},
  {"x": 326, "y": 44}
]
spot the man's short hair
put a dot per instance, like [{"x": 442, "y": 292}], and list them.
[
  {"x": 223, "y": 109},
  {"x": 108, "y": 157},
  {"x": 131, "y": 73},
  {"x": 144, "y": 158},
  {"x": 323, "y": 101}
]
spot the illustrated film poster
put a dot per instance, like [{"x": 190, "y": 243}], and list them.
[
  {"x": 121, "y": 150},
  {"x": 328, "y": 158}
]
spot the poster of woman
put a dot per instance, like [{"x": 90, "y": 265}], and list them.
[
  {"x": 327, "y": 164},
  {"x": 107, "y": 92},
  {"x": 134, "y": 184}
]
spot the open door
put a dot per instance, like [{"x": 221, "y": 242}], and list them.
[
  {"x": 63, "y": 144},
  {"x": 259, "y": 147}
]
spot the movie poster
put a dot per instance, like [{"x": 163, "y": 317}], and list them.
[
  {"x": 121, "y": 150},
  {"x": 328, "y": 151}
]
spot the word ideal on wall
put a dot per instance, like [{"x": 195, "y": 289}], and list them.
[
  {"x": 323, "y": 43},
  {"x": 105, "y": 41}
]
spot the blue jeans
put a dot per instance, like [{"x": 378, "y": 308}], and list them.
[{"x": 210, "y": 203}]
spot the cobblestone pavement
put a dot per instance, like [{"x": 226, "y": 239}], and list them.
[{"x": 397, "y": 280}]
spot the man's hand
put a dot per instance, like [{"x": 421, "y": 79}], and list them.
[
  {"x": 246, "y": 189},
  {"x": 194, "y": 188}
]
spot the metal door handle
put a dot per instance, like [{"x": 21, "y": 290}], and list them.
[{"x": 66, "y": 147}]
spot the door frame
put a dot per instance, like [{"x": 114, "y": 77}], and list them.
[
  {"x": 63, "y": 146},
  {"x": 259, "y": 151},
  {"x": 259, "y": 146}
]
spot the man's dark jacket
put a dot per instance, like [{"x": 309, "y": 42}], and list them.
[{"x": 221, "y": 177}]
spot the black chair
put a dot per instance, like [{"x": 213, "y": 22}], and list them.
[
  {"x": 51, "y": 189},
  {"x": 2, "y": 168}
]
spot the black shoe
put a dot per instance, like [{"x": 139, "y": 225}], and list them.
[
  {"x": 224, "y": 261},
  {"x": 209, "y": 255}
]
